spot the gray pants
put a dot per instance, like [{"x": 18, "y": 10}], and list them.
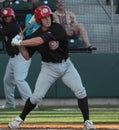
[
  {"x": 50, "y": 72},
  {"x": 15, "y": 75}
]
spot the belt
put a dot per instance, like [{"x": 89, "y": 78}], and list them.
[
  {"x": 13, "y": 55},
  {"x": 63, "y": 60},
  {"x": 59, "y": 61}
]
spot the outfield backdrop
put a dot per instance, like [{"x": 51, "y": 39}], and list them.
[
  {"x": 100, "y": 69},
  {"x": 99, "y": 72}
]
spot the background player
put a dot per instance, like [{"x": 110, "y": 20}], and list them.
[
  {"x": 51, "y": 42},
  {"x": 17, "y": 67}
]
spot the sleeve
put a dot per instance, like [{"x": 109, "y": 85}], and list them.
[
  {"x": 31, "y": 50},
  {"x": 59, "y": 32},
  {"x": 46, "y": 37},
  {"x": 56, "y": 33},
  {"x": 12, "y": 29}
]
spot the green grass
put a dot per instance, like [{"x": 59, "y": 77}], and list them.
[{"x": 50, "y": 115}]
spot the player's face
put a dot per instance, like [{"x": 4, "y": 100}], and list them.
[
  {"x": 8, "y": 19},
  {"x": 46, "y": 22}
]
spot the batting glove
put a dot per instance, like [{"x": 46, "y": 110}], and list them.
[{"x": 17, "y": 40}]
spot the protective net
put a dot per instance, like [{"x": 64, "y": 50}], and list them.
[{"x": 101, "y": 20}]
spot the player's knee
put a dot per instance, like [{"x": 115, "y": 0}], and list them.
[
  {"x": 81, "y": 93},
  {"x": 19, "y": 80},
  {"x": 35, "y": 100}
]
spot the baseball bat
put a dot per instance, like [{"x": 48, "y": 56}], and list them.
[{"x": 31, "y": 21}]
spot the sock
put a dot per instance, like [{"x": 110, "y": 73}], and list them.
[
  {"x": 83, "y": 105},
  {"x": 27, "y": 109}
]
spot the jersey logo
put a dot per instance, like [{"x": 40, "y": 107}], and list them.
[{"x": 53, "y": 45}]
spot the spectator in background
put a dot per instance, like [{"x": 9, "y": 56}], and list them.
[
  {"x": 34, "y": 26},
  {"x": 68, "y": 20},
  {"x": 17, "y": 67}
]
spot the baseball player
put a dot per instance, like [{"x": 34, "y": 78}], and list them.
[
  {"x": 17, "y": 67},
  {"x": 51, "y": 42}
]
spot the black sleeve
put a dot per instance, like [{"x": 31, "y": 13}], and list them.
[
  {"x": 59, "y": 32},
  {"x": 56, "y": 33},
  {"x": 31, "y": 50},
  {"x": 13, "y": 29}
]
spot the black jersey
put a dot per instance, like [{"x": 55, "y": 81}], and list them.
[
  {"x": 55, "y": 47},
  {"x": 10, "y": 30}
]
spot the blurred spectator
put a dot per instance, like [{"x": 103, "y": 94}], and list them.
[
  {"x": 34, "y": 26},
  {"x": 68, "y": 20}
]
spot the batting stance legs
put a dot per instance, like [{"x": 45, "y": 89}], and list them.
[
  {"x": 15, "y": 75},
  {"x": 50, "y": 72}
]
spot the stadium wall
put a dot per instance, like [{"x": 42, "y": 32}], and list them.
[{"x": 99, "y": 73}]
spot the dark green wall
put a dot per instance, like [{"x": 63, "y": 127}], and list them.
[{"x": 99, "y": 73}]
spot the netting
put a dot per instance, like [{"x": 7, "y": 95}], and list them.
[{"x": 101, "y": 22}]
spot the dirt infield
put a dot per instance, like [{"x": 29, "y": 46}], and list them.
[{"x": 62, "y": 127}]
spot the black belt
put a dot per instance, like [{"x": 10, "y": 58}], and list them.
[
  {"x": 12, "y": 56},
  {"x": 59, "y": 61}
]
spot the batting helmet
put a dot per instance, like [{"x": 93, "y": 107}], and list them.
[
  {"x": 5, "y": 12},
  {"x": 42, "y": 12}
]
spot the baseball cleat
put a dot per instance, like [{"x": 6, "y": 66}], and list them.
[
  {"x": 15, "y": 123},
  {"x": 88, "y": 125}
]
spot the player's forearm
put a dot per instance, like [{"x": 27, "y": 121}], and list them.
[
  {"x": 32, "y": 42},
  {"x": 24, "y": 52}
]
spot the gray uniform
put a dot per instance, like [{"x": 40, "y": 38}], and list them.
[
  {"x": 15, "y": 75},
  {"x": 51, "y": 71}
]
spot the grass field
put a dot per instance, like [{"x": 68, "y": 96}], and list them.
[{"x": 62, "y": 115}]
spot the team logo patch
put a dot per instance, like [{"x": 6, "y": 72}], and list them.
[
  {"x": 44, "y": 11},
  {"x": 53, "y": 45},
  {"x": 5, "y": 12}
]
